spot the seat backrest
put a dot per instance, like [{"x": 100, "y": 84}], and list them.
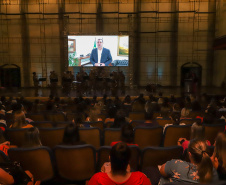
[
  {"x": 109, "y": 124},
  {"x": 97, "y": 124},
  {"x": 36, "y": 116},
  {"x": 75, "y": 163},
  {"x": 163, "y": 122},
  {"x": 189, "y": 121},
  {"x": 156, "y": 114},
  {"x": 104, "y": 153},
  {"x": 51, "y": 136},
  {"x": 55, "y": 117},
  {"x": 194, "y": 114},
  {"x": 154, "y": 156},
  {"x": 38, "y": 160},
  {"x": 173, "y": 132},
  {"x": 211, "y": 131},
  {"x": 70, "y": 116},
  {"x": 16, "y": 136},
  {"x": 111, "y": 134},
  {"x": 103, "y": 156},
  {"x": 42, "y": 124},
  {"x": 148, "y": 136},
  {"x": 137, "y": 106},
  {"x": 136, "y": 116},
  {"x": 90, "y": 136},
  {"x": 137, "y": 123}
]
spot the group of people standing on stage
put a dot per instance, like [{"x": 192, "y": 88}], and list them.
[
  {"x": 67, "y": 80},
  {"x": 101, "y": 81},
  {"x": 98, "y": 80}
]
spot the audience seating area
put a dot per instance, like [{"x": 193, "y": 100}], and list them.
[{"x": 56, "y": 163}]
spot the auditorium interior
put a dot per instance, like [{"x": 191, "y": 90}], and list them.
[{"x": 175, "y": 49}]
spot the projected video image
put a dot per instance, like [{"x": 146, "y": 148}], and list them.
[{"x": 98, "y": 50}]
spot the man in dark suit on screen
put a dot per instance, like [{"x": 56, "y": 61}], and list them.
[{"x": 100, "y": 56}]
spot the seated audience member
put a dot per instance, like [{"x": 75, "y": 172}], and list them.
[
  {"x": 210, "y": 115},
  {"x": 185, "y": 112},
  {"x": 20, "y": 121},
  {"x": 127, "y": 100},
  {"x": 188, "y": 104},
  {"x": 111, "y": 114},
  {"x": 175, "y": 117},
  {"x": 176, "y": 107},
  {"x": 119, "y": 172},
  {"x": 200, "y": 169},
  {"x": 127, "y": 135},
  {"x": 71, "y": 135},
  {"x": 94, "y": 114},
  {"x": 197, "y": 132},
  {"x": 3, "y": 124},
  {"x": 219, "y": 156},
  {"x": 119, "y": 122},
  {"x": 196, "y": 106},
  {"x": 5, "y": 178},
  {"x": 32, "y": 138}
]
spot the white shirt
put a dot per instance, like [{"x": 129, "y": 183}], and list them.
[{"x": 99, "y": 54}]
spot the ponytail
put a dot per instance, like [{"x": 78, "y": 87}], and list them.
[
  {"x": 197, "y": 148},
  {"x": 205, "y": 168}
]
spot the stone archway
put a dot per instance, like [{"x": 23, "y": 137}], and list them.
[
  {"x": 191, "y": 77},
  {"x": 10, "y": 75}
]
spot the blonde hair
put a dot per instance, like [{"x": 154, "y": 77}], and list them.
[
  {"x": 220, "y": 148},
  {"x": 185, "y": 112},
  {"x": 19, "y": 119}
]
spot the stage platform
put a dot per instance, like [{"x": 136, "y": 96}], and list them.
[{"x": 135, "y": 91}]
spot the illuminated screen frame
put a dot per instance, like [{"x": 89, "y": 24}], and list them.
[{"x": 80, "y": 48}]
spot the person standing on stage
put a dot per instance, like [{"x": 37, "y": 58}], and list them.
[
  {"x": 100, "y": 56},
  {"x": 53, "y": 83},
  {"x": 36, "y": 83}
]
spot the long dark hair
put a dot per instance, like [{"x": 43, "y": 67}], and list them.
[
  {"x": 198, "y": 150},
  {"x": 119, "y": 157},
  {"x": 127, "y": 134},
  {"x": 71, "y": 134}
]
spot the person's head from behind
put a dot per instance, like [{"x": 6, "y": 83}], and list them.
[
  {"x": 112, "y": 112},
  {"x": 197, "y": 130},
  {"x": 71, "y": 134},
  {"x": 32, "y": 138},
  {"x": 176, "y": 107},
  {"x": 119, "y": 157},
  {"x": 175, "y": 117},
  {"x": 127, "y": 134},
  {"x": 19, "y": 119},
  {"x": 198, "y": 155},
  {"x": 148, "y": 115},
  {"x": 119, "y": 122},
  {"x": 99, "y": 43},
  {"x": 185, "y": 112},
  {"x": 220, "y": 148}
]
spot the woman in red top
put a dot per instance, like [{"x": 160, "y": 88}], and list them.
[{"x": 119, "y": 157}]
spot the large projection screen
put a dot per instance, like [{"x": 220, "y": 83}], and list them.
[{"x": 83, "y": 50}]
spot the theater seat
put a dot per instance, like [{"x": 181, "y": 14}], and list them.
[{"x": 75, "y": 163}]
